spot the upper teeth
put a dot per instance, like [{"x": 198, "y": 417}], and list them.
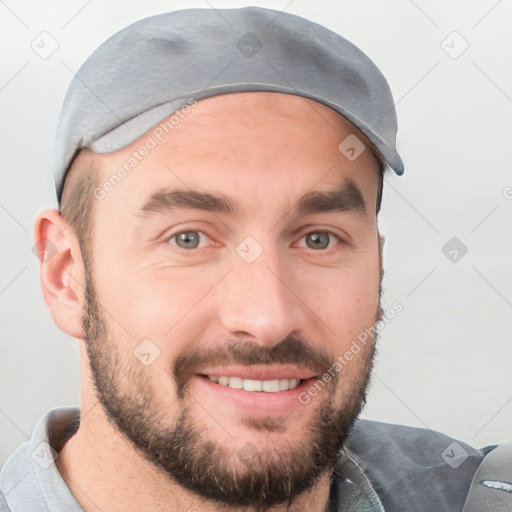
[{"x": 270, "y": 386}]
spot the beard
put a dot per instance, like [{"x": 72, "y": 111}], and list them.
[{"x": 251, "y": 476}]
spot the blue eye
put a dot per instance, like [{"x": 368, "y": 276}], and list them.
[
  {"x": 319, "y": 240},
  {"x": 188, "y": 239}
]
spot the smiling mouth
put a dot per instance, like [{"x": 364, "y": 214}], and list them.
[{"x": 265, "y": 386}]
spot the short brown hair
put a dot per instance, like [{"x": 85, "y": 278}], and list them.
[{"x": 78, "y": 198}]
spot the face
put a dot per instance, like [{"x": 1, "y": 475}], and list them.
[{"x": 229, "y": 272}]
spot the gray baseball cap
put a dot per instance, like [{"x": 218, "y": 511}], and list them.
[{"x": 155, "y": 67}]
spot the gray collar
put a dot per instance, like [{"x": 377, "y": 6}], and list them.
[{"x": 351, "y": 490}]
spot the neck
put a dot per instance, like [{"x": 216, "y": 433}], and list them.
[{"x": 105, "y": 472}]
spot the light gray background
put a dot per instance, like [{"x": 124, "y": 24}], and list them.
[{"x": 445, "y": 360}]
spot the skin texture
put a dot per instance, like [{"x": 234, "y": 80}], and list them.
[{"x": 294, "y": 308}]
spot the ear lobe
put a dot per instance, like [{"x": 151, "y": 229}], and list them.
[{"x": 61, "y": 271}]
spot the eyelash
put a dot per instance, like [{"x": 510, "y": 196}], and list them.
[
  {"x": 172, "y": 237},
  {"x": 332, "y": 235}
]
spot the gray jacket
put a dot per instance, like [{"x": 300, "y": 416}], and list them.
[{"x": 383, "y": 467}]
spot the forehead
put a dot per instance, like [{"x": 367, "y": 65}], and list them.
[
  {"x": 260, "y": 114},
  {"x": 243, "y": 142}
]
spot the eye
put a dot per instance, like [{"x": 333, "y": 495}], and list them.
[
  {"x": 189, "y": 240},
  {"x": 319, "y": 240}
]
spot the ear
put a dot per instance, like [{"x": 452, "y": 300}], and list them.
[
  {"x": 61, "y": 271},
  {"x": 382, "y": 239}
]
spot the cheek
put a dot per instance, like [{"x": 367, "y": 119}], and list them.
[
  {"x": 157, "y": 305},
  {"x": 345, "y": 300}
]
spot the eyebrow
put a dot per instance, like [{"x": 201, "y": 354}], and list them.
[
  {"x": 165, "y": 200},
  {"x": 347, "y": 198}
]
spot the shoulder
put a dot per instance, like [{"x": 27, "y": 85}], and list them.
[
  {"x": 15, "y": 474},
  {"x": 414, "y": 468},
  {"x": 3, "y": 503},
  {"x": 29, "y": 479}
]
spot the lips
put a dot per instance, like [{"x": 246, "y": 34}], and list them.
[
  {"x": 257, "y": 388},
  {"x": 251, "y": 402}
]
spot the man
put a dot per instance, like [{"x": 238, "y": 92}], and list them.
[{"x": 217, "y": 254}]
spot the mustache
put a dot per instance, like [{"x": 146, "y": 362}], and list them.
[{"x": 291, "y": 350}]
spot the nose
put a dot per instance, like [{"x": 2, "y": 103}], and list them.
[{"x": 258, "y": 302}]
